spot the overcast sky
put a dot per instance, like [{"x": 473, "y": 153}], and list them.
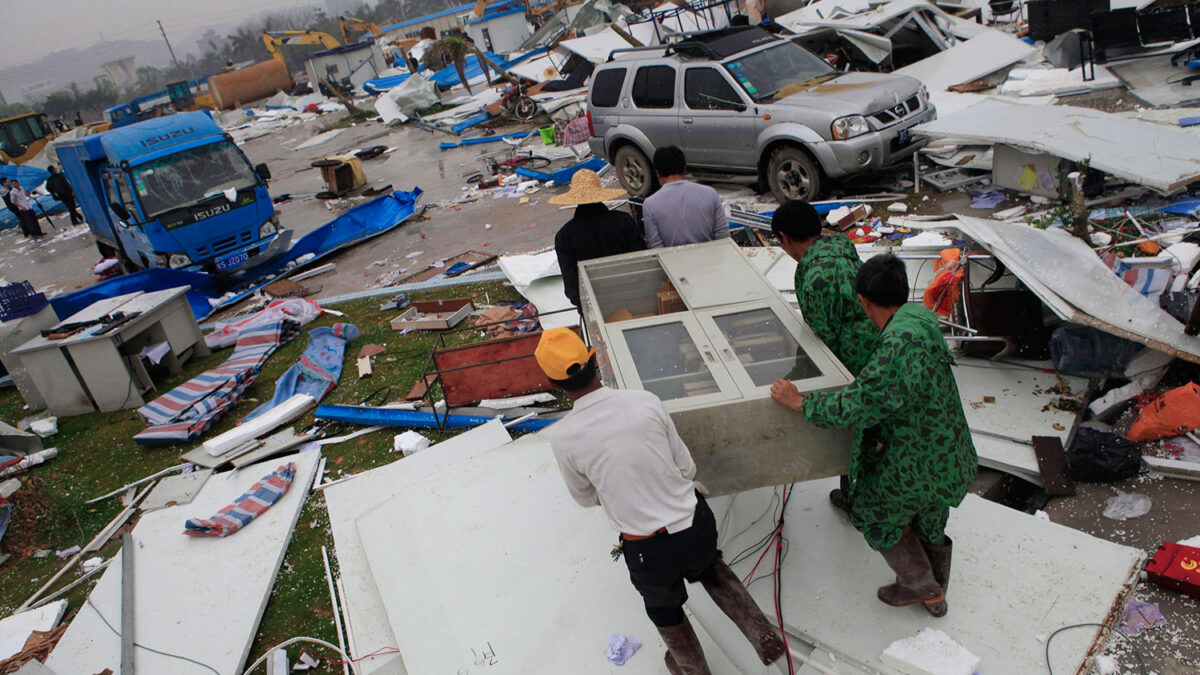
[{"x": 54, "y": 25}]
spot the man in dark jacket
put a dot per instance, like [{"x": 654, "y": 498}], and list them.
[
  {"x": 58, "y": 186},
  {"x": 594, "y": 232}
]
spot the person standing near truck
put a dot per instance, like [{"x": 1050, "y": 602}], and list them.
[
  {"x": 594, "y": 232},
  {"x": 681, "y": 212},
  {"x": 25, "y": 214},
  {"x": 58, "y": 187},
  {"x": 904, "y": 485}
]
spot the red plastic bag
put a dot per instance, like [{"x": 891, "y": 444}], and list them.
[
  {"x": 1172, "y": 414},
  {"x": 943, "y": 291}
]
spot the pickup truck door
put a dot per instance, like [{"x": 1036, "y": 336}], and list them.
[{"x": 717, "y": 125}]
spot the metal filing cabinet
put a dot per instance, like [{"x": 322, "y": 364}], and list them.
[{"x": 703, "y": 330}]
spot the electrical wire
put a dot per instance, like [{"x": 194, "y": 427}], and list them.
[
  {"x": 778, "y": 581},
  {"x": 1136, "y": 652},
  {"x": 142, "y": 646}
]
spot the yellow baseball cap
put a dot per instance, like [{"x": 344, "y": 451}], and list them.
[{"x": 558, "y": 350}]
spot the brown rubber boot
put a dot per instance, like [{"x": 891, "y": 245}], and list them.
[
  {"x": 939, "y": 561},
  {"x": 914, "y": 575},
  {"x": 684, "y": 655},
  {"x": 732, "y": 597}
]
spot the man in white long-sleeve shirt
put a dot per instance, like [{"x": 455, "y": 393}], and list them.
[{"x": 619, "y": 449}]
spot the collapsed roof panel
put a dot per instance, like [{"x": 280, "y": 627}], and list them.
[
  {"x": 1078, "y": 287},
  {"x": 1016, "y": 580},
  {"x": 968, "y": 61},
  {"x": 597, "y": 47},
  {"x": 1153, "y": 155},
  {"x": 877, "y": 18}
]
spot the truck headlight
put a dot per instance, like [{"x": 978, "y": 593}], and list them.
[
  {"x": 849, "y": 127},
  {"x": 268, "y": 228},
  {"x": 173, "y": 260}
]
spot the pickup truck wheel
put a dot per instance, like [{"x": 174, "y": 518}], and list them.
[
  {"x": 634, "y": 171},
  {"x": 792, "y": 174}
]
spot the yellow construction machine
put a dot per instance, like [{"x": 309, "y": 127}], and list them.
[
  {"x": 275, "y": 40},
  {"x": 349, "y": 23}
]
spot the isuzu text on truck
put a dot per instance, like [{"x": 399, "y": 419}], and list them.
[{"x": 174, "y": 192}]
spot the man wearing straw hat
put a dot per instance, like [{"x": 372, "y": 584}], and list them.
[
  {"x": 618, "y": 449},
  {"x": 594, "y": 232}
]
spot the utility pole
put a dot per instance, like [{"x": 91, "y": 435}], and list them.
[{"x": 164, "y": 34}]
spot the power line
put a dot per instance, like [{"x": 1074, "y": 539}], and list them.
[{"x": 164, "y": 34}]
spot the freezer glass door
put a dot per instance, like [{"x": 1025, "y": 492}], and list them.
[
  {"x": 758, "y": 346},
  {"x": 671, "y": 357}
]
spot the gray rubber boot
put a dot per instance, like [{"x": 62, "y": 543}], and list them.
[{"x": 939, "y": 561}]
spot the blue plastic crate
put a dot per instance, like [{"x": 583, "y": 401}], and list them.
[{"x": 19, "y": 299}]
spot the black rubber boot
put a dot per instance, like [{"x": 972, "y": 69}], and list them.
[
  {"x": 914, "y": 575},
  {"x": 684, "y": 655},
  {"x": 840, "y": 497},
  {"x": 727, "y": 590},
  {"x": 939, "y": 561}
]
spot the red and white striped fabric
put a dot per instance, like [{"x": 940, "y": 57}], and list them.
[{"x": 187, "y": 411}]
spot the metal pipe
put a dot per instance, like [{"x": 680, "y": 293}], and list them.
[{"x": 389, "y": 417}]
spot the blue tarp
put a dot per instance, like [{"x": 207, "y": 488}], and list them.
[
  {"x": 471, "y": 121},
  {"x": 484, "y": 139},
  {"x": 29, "y": 178},
  {"x": 565, "y": 174},
  {"x": 448, "y": 77},
  {"x": 208, "y": 293}
]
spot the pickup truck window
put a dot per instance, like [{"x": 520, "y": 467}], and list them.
[
  {"x": 773, "y": 71},
  {"x": 706, "y": 89},
  {"x": 654, "y": 87},
  {"x": 606, "y": 90},
  {"x": 191, "y": 177}
]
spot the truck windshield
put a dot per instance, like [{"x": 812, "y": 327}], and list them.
[
  {"x": 191, "y": 177},
  {"x": 770, "y": 73}
]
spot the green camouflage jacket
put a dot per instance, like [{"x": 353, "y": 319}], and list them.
[
  {"x": 908, "y": 389},
  {"x": 825, "y": 290}
]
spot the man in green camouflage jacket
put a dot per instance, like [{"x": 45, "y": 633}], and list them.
[
  {"x": 902, "y": 487},
  {"x": 825, "y": 269}
]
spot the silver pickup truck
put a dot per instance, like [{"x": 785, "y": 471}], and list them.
[{"x": 744, "y": 101}]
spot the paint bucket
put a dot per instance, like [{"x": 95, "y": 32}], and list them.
[{"x": 547, "y": 135}]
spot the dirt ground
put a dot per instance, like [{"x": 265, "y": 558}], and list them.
[{"x": 62, "y": 262}]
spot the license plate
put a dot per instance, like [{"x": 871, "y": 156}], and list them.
[
  {"x": 905, "y": 134},
  {"x": 229, "y": 262}
]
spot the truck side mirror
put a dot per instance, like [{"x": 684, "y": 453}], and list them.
[
  {"x": 263, "y": 171},
  {"x": 120, "y": 210}
]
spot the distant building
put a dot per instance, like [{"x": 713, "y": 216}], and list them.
[
  {"x": 357, "y": 62},
  {"x": 444, "y": 23},
  {"x": 500, "y": 31},
  {"x": 34, "y": 93}
]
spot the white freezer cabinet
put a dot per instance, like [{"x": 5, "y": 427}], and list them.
[{"x": 703, "y": 330}]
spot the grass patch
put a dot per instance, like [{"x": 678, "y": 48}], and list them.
[{"x": 97, "y": 454}]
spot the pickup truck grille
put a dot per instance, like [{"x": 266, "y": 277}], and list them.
[{"x": 898, "y": 112}]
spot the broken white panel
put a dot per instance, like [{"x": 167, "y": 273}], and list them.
[
  {"x": 262, "y": 424},
  {"x": 1057, "y": 81},
  {"x": 1068, "y": 276},
  {"x": 16, "y": 629},
  {"x": 1015, "y": 580},
  {"x": 198, "y": 597},
  {"x": 1022, "y": 409},
  {"x": 1156, "y": 81},
  {"x": 511, "y": 576},
  {"x": 598, "y": 46},
  {"x": 1147, "y": 154},
  {"x": 388, "y": 111},
  {"x": 538, "y": 279},
  {"x": 319, "y": 139},
  {"x": 173, "y": 490},
  {"x": 877, "y": 18},
  {"x": 930, "y": 652},
  {"x": 368, "y": 628},
  {"x": 968, "y": 61}
]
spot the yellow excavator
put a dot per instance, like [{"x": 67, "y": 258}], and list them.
[
  {"x": 349, "y": 23},
  {"x": 275, "y": 40}
]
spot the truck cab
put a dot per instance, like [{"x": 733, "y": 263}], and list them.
[{"x": 174, "y": 192}]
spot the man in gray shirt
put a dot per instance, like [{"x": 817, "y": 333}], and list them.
[
  {"x": 681, "y": 212},
  {"x": 618, "y": 449}
]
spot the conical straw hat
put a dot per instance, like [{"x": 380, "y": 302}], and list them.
[{"x": 586, "y": 189}]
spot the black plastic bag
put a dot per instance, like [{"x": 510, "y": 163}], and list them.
[
  {"x": 1082, "y": 350},
  {"x": 1101, "y": 457}
]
